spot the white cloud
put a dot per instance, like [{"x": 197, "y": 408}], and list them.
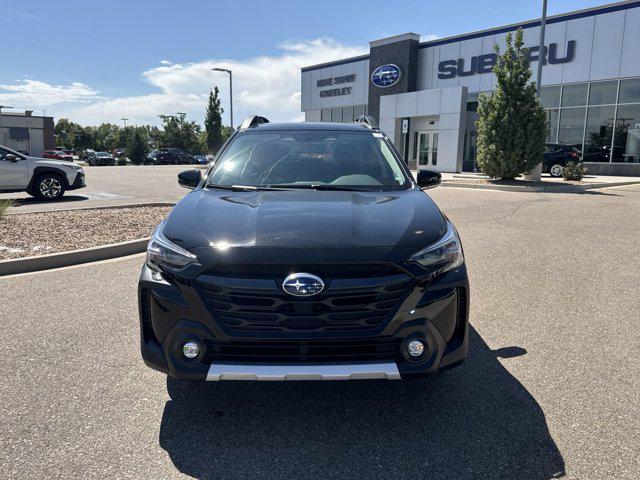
[
  {"x": 269, "y": 85},
  {"x": 30, "y": 93}
]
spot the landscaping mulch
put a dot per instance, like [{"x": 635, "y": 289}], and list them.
[{"x": 30, "y": 234}]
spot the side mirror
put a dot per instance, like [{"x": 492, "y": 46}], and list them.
[
  {"x": 190, "y": 178},
  {"x": 10, "y": 157},
  {"x": 428, "y": 179}
]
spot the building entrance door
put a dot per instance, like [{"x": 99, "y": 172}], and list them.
[{"x": 427, "y": 155}]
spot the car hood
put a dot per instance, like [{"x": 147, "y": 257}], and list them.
[
  {"x": 51, "y": 162},
  {"x": 305, "y": 218}
]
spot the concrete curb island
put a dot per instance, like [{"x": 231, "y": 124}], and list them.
[
  {"x": 548, "y": 189},
  {"x": 73, "y": 257},
  {"x": 80, "y": 256}
]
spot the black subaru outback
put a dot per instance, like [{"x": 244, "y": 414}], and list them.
[{"x": 305, "y": 252}]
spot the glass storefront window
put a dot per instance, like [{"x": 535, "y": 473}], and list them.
[
  {"x": 336, "y": 114},
  {"x": 603, "y": 93},
  {"x": 574, "y": 95},
  {"x": 552, "y": 126},
  {"x": 626, "y": 145},
  {"x": 629, "y": 90},
  {"x": 347, "y": 114},
  {"x": 358, "y": 111},
  {"x": 325, "y": 115},
  {"x": 571, "y": 128},
  {"x": 597, "y": 140},
  {"x": 550, "y": 96}
]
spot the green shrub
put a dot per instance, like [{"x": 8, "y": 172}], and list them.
[
  {"x": 4, "y": 206},
  {"x": 574, "y": 171},
  {"x": 121, "y": 161}
]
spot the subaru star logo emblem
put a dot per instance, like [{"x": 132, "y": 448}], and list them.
[
  {"x": 386, "y": 75},
  {"x": 302, "y": 284}
]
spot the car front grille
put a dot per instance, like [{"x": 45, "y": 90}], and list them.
[
  {"x": 256, "y": 302},
  {"x": 377, "y": 348}
]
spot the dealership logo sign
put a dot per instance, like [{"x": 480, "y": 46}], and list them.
[
  {"x": 484, "y": 63},
  {"x": 386, "y": 75}
]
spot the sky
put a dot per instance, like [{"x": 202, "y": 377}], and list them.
[{"x": 99, "y": 61}]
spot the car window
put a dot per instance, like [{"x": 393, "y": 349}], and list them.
[{"x": 359, "y": 160}]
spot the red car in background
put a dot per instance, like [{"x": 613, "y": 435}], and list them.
[{"x": 57, "y": 155}]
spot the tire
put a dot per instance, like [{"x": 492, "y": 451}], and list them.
[
  {"x": 49, "y": 186},
  {"x": 556, "y": 170}
]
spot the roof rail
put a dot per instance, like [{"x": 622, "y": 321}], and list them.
[
  {"x": 366, "y": 121},
  {"x": 253, "y": 121}
]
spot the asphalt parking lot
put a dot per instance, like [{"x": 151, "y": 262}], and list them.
[
  {"x": 114, "y": 186},
  {"x": 550, "y": 387}
]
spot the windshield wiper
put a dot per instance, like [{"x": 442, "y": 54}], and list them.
[
  {"x": 239, "y": 188},
  {"x": 319, "y": 186}
]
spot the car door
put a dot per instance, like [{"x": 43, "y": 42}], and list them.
[{"x": 14, "y": 174}]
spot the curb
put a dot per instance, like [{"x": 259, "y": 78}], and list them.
[
  {"x": 73, "y": 257},
  {"x": 547, "y": 189}
]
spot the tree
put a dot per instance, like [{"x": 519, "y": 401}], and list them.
[
  {"x": 213, "y": 122},
  {"x": 180, "y": 133},
  {"x": 512, "y": 125},
  {"x": 65, "y": 132},
  {"x": 138, "y": 146}
]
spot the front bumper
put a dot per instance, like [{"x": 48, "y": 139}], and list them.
[
  {"x": 79, "y": 182},
  {"x": 172, "y": 313}
]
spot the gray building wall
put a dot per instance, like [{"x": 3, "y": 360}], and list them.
[{"x": 40, "y": 132}]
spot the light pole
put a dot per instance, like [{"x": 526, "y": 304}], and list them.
[
  {"x": 230, "y": 91},
  {"x": 1, "y": 129},
  {"x": 536, "y": 172},
  {"x": 124, "y": 120},
  {"x": 543, "y": 24}
]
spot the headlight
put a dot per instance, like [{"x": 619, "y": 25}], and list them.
[
  {"x": 444, "y": 255},
  {"x": 162, "y": 252}
]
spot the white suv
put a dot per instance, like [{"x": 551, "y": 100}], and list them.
[{"x": 44, "y": 178}]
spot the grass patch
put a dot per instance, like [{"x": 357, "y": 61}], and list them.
[{"x": 4, "y": 206}]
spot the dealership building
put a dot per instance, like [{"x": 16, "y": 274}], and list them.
[{"x": 424, "y": 95}]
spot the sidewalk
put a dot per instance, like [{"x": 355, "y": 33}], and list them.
[{"x": 547, "y": 183}]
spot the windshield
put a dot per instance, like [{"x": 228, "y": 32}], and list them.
[
  {"x": 309, "y": 159},
  {"x": 102, "y": 154}
]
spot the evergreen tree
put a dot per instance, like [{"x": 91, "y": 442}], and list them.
[
  {"x": 512, "y": 124},
  {"x": 137, "y": 148},
  {"x": 213, "y": 122}
]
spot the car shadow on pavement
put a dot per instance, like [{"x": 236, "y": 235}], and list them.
[
  {"x": 473, "y": 422},
  {"x": 36, "y": 201}
]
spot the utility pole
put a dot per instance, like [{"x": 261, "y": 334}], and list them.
[
  {"x": 543, "y": 24},
  {"x": 536, "y": 172},
  {"x": 230, "y": 92},
  {"x": 124, "y": 120}
]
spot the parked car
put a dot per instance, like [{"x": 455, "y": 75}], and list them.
[
  {"x": 86, "y": 154},
  {"x": 57, "y": 155},
  {"x": 119, "y": 152},
  {"x": 68, "y": 151},
  {"x": 201, "y": 159},
  {"x": 150, "y": 159},
  {"x": 556, "y": 156},
  {"x": 306, "y": 252},
  {"x": 101, "y": 159},
  {"x": 173, "y": 156},
  {"x": 44, "y": 178}
]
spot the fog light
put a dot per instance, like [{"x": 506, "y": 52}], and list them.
[
  {"x": 415, "y": 348},
  {"x": 191, "y": 349}
]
